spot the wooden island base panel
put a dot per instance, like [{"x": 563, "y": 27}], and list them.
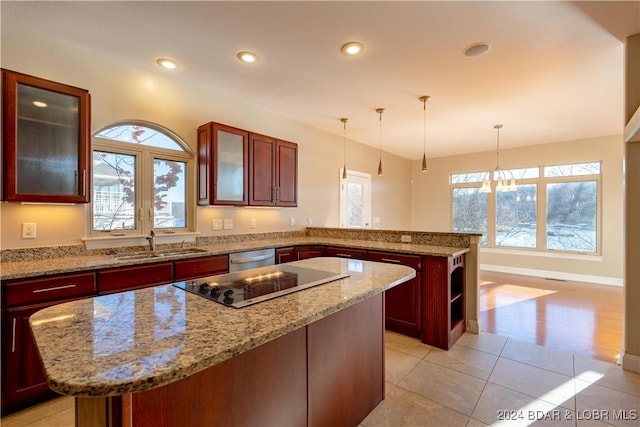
[
  {"x": 162, "y": 356},
  {"x": 329, "y": 373}
]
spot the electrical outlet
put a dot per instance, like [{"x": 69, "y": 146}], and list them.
[
  {"x": 309, "y": 221},
  {"x": 405, "y": 238},
  {"x": 292, "y": 221},
  {"x": 28, "y": 230},
  {"x": 252, "y": 223},
  {"x": 217, "y": 224},
  {"x": 228, "y": 224}
]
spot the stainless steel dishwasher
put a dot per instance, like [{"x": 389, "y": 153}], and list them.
[{"x": 251, "y": 259}]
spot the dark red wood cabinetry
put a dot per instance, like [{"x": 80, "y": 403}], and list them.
[
  {"x": 45, "y": 140},
  {"x": 23, "y": 379},
  {"x": 403, "y": 303},
  {"x": 310, "y": 251},
  {"x": 444, "y": 301},
  {"x": 238, "y": 168},
  {"x": 201, "y": 267},
  {"x": 285, "y": 254},
  {"x": 222, "y": 165},
  {"x": 273, "y": 171},
  {"x": 346, "y": 252},
  {"x": 134, "y": 277}
]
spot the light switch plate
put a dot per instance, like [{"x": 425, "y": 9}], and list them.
[
  {"x": 292, "y": 221},
  {"x": 217, "y": 224},
  {"x": 252, "y": 223},
  {"x": 228, "y": 224}
]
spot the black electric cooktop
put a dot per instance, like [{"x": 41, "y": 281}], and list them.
[{"x": 248, "y": 287}]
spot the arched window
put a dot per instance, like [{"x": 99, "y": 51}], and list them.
[{"x": 140, "y": 180}]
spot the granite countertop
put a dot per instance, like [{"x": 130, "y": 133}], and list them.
[
  {"x": 138, "y": 340},
  {"x": 24, "y": 269}
]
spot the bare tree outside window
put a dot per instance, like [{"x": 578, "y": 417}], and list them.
[
  {"x": 572, "y": 216},
  {"x": 470, "y": 211},
  {"x": 516, "y": 217}
]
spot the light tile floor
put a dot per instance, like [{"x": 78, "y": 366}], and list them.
[{"x": 483, "y": 380}]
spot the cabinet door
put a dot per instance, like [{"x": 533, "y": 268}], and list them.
[
  {"x": 23, "y": 379},
  {"x": 201, "y": 267},
  {"x": 286, "y": 173},
  {"x": 403, "y": 303},
  {"x": 262, "y": 157},
  {"x": 45, "y": 140},
  {"x": 305, "y": 252},
  {"x": 222, "y": 165},
  {"x": 346, "y": 252},
  {"x": 128, "y": 278},
  {"x": 285, "y": 255}
]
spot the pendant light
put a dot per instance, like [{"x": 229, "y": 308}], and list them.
[
  {"x": 424, "y": 100},
  {"x": 380, "y": 111},
  {"x": 344, "y": 121}
]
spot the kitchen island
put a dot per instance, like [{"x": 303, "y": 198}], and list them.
[{"x": 163, "y": 356}]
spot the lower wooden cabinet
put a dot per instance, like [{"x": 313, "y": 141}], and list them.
[
  {"x": 285, "y": 254},
  {"x": 311, "y": 251},
  {"x": 23, "y": 379},
  {"x": 403, "y": 303},
  {"x": 444, "y": 301},
  {"x": 346, "y": 252},
  {"x": 134, "y": 277},
  {"x": 200, "y": 267}
]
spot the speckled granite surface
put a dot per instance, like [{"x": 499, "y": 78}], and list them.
[
  {"x": 135, "y": 341},
  {"x": 100, "y": 259}
]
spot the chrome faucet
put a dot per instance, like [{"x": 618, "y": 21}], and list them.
[{"x": 152, "y": 241}]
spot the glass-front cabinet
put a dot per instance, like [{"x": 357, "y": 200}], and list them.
[
  {"x": 45, "y": 140},
  {"x": 222, "y": 165}
]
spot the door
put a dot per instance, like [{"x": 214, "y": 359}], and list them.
[{"x": 355, "y": 200}]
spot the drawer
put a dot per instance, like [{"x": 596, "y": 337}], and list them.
[
  {"x": 201, "y": 267},
  {"x": 413, "y": 261},
  {"x": 135, "y": 277},
  {"x": 346, "y": 252},
  {"x": 46, "y": 289}
]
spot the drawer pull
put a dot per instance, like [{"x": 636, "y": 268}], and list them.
[
  {"x": 392, "y": 260},
  {"x": 56, "y": 288},
  {"x": 13, "y": 339},
  {"x": 344, "y": 255}
]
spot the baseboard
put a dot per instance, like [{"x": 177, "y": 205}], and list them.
[
  {"x": 630, "y": 362},
  {"x": 473, "y": 326},
  {"x": 549, "y": 274}
]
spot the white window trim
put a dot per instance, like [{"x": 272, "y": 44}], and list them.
[
  {"x": 144, "y": 181},
  {"x": 343, "y": 198},
  {"x": 541, "y": 226}
]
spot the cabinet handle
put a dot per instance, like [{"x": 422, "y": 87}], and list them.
[
  {"x": 84, "y": 182},
  {"x": 395, "y": 261},
  {"x": 13, "y": 339},
  {"x": 55, "y": 288},
  {"x": 344, "y": 255},
  {"x": 273, "y": 194}
]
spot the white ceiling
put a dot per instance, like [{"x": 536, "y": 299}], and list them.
[{"x": 554, "y": 72}]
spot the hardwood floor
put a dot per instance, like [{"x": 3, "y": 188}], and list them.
[{"x": 584, "y": 318}]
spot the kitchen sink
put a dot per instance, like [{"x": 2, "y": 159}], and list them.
[{"x": 159, "y": 254}]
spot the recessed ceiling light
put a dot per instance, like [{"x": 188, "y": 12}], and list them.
[
  {"x": 246, "y": 56},
  {"x": 352, "y": 48},
  {"x": 167, "y": 64},
  {"x": 39, "y": 104},
  {"x": 477, "y": 49}
]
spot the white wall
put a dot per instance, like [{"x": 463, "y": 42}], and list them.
[
  {"x": 120, "y": 91},
  {"x": 431, "y": 208}
]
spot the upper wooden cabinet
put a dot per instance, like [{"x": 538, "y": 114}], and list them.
[
  {"x": 222, "y": 165},
  {"x": 45, "y": 140},
  {"x": 273, "y": 171},
  {"x": 239, "y": 168}
]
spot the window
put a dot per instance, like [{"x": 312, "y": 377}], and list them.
[
  {"x": 140, "y": 182},
  {"x": 355, "y": 200},
  {"x": 553, "y": 208}
]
